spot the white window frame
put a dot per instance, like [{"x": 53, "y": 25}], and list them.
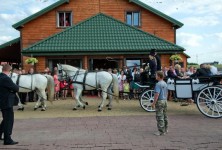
[
  {"x": 132, "y": 18},
  {"x": 64, "y": 13}
]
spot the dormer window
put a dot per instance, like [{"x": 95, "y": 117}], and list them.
[
  {"x": 133, "y": 18},
  {"x": 64, "y": 19}
]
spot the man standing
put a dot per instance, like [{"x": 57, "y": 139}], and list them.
[
  {"x": 7, "y": 97},
  {"x": 158, "y": 61}
]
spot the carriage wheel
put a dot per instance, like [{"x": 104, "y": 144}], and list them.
[
  {"x": 146, "y": 100},
  {"x": 209, "y": 101}
]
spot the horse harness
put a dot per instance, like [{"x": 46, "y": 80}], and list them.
[{"x": 75, "y": 78}]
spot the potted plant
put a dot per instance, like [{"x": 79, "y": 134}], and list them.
[
  {"x": 31, "y": 60},
  {"x": 176, "y": 58}
]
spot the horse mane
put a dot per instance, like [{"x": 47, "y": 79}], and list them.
[{"x": 71, "y": 68}]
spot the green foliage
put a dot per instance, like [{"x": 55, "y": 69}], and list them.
[
  {"x": 176, "y": 57},
  {"x": 31, "y": 60},
  {"x": 192, "y": 63}
]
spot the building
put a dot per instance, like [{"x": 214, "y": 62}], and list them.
[{"x": 96, "y": 34}]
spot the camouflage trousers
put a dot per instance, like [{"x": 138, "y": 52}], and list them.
[{"x": 161, "y": 116}]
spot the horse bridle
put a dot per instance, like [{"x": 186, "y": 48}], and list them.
[
  {"x": 61, "y": 70},
  {"x": 67, "y": 78}
]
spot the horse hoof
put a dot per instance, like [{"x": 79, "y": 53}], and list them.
[
  {"x": 107, "y": 105},
  {"x": 109, "y": 108},
  {"x": 87, "y": 103},
  {"x": 35, "y": 109},
  {"x": 22, "y": 109},
  {"x": 84, "y": 107},
  {"x": 74, "y": 109},
  {"x": 40, "y": 106},
  {"x": 78, "y": 106},
  {"x": 99, "y": 110},
  {"x": 42, "y": 109}
]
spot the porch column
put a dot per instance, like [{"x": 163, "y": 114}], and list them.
[
  {"x": 121, "y": 62},
  {"x": 85, "y": 62}
]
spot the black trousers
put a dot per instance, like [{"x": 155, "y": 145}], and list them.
[
  {"x": 31, "y": 96},
  {"x": 7, "y": 124},
  {"x": 23, "y": 97}
]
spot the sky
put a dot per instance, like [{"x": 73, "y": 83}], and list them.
[{"x": 201, "y": 34}]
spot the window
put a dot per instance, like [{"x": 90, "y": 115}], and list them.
[
  {"x": 131, "y": 63},
  {"x": 133, "y": 18},
  {"x": 64, "y": 19}
]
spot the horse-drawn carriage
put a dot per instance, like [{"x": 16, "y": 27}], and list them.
[{"x": 205, "y": 91}]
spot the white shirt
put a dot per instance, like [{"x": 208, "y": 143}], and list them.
[{"x": 213, "y": 70}]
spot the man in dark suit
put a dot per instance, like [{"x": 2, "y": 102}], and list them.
[
  {"x": 158, "y": 60},
  {"x": 7, "y": 97}
]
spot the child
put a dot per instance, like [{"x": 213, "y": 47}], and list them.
[
  {"x": 64, "y": 89},
  {"x": 160, "y": 103},
  {"x": 57, "y": 86},
  {"x": 126, "y": 90}
]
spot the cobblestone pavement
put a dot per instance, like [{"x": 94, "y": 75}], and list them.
[{"x": 132, "y": 132}]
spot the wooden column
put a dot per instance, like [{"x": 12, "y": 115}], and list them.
[{"x": 85, "y": 62}]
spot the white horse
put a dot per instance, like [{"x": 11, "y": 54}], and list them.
[
  {"x": 83, "y": 80},
  {"x": 37, "y": 83},
  {"x": 0, "y": 68}
]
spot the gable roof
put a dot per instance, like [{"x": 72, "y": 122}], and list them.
[
  {"x": 41, "y": 12},
  {"x": 101, "y": 34},
  {"x": 9, "y": 43},
  {"x": 176, "y": 23},
  {"x": 10, "y": 51}
]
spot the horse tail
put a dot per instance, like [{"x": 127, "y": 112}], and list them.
[
  {"x": 116, "y": 87},
  {"x": 50, "y": 87}
]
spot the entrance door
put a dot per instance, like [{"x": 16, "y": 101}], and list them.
[{"x": 103, "y": 64}]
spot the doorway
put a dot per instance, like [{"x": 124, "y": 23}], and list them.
[
  {"x": 103, "y": 64},
  {"x": 72, "y": 62}
]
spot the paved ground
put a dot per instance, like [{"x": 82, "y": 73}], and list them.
[{"x": 92, "y": 130}]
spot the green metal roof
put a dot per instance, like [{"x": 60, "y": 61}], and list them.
[
  {"x": 176, "y": 23},
  {"x": 101, "y": 34},
  {"x": 41, "y": 12},
  {"x": 10, "y": 43}
]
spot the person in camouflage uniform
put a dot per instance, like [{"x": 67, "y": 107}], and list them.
[{"x": 160, "y": 104}]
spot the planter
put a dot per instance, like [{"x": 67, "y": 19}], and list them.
[
  {"x": 176, "y": 58},
  {"x": 31, "y": 61}
]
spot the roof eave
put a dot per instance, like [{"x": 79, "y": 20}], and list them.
[
  {"x": 10, "y": 43},
  {"x": 41, "y": 12},
  {"x": 77, "y": 53},
  {"x": 175, "y": 22}
]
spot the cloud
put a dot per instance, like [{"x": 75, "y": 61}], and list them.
[
  {"x": 189, "y": 39},
  {"x": 186, "y": 6},
  {"x": 201, "y": 21},
  {"x": 219, "y": 36},
  {"x": 4, "y": 39},
  {"x": 202, "y": 47}
]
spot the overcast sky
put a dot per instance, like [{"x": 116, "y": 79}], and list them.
[{"x": 201, "y": 34}]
